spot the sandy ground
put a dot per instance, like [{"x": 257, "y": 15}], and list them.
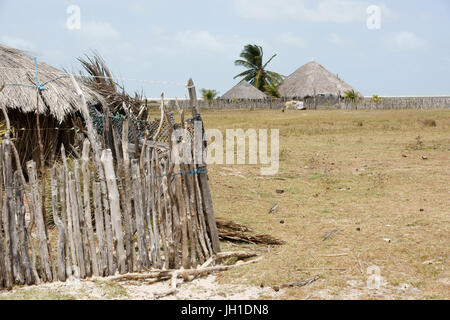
[
  {"x": 200, "y": 289},
  {"x": 207, "y": 288}
]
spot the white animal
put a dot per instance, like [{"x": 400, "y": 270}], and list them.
[{"x": 293, "y": 104}]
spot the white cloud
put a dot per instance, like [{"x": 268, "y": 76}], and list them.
[
  {"x": 200, "y": 42},
  {"x": 336, "y": 11},
  {"x": 340, "y": 41},
  {"x": 137, "y": 8},
  {"x": 406, "y": 41},
  {"x": 103, "y": 30},
  {"x": 156, "y": 31},
  {"x": 17, "y": 43},
  {"x": 292, "y": 40}
]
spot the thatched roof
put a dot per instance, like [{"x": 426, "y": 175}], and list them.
[
  {"x": 59, "y": 97},
  {"x": 244, "y": 91},
  {"x": 312, "y": 79}
]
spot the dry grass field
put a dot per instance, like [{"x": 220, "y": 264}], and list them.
[
  {"x": 379, "y": 179},
  {"x": 382, "y": 178}
]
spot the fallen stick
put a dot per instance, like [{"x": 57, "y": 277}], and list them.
[
  {"x": 301, "y": 283},
  {"x": 330, "y": 234},
  {"x": 173, "y": 274},
  {"x": 232, "y": 231},
  {"x": 322, "y": 269},
  {"x": 223, "y": 255},
  {"x": 161, "y": 275},
  {"x": 228, "y": 224},
  {"x": 237, "y": 254},
  {"x": 237, "y": 236},
  {"x": 333, "y": 255}
]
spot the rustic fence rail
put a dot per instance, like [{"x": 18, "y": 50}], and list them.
[{"x": 110, "y": 215}]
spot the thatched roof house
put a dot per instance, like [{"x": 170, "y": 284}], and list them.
[
  {"x": 58, "y": 103},
  {"x": 244, "y": 91},
  {"x": 18, "y": 72},
  {"x": 312, "y": 80}
]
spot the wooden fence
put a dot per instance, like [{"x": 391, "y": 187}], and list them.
[
  {"x": 327, "y": 102},
  {"x": 110, "y": 215},
  {"x": 397, "y": 103}
]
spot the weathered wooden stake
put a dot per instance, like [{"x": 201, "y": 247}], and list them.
[
  {"x": 75, "y": 211},
  {"x": 116, "y": 217},
  {"x": 203, "y": 178},
  {"x": 143, "y": 260},
  {"x": 87, "y": 206},
  {"x": 44, "y": 253},
  {"x": 22, "y": 232},
  {"x": 61, "y": 229},
  {"x": 100, "y": 229},
  {"x": 73, "y": 265},
  {"x": 80, "y": 218}
]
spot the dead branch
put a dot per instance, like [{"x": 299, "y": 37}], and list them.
[
  {"x": 322, "y": 269},
  {"x": 174, "y": 274},
  {"x": 236, "y": 236},
  {"x": 300, "y": 283},
  {"x": 333, "y": 255},
  {"x": 228, "y": 224},
  {"x": 330, "y": 234},
  {"x": 231, "y": 231}
]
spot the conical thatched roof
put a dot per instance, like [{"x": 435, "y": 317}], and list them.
[
  {"x": 244, "y": 91},
  {"x": 312, "y": 79},
  {"x": 59, "y": 97}
]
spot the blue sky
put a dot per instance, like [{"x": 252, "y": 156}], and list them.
[{"x": 174, "y": 40}]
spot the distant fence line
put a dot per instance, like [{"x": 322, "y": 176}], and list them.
[
  {"x": 366, "y": 103},
  {"x": 386, "y": 103},
  {"x": 225, "y": 104}
]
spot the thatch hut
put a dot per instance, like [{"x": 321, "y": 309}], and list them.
[
  {"x": 58, "y": 104},
  {"x": 311, "y": 82},
  {"x": 244, "y": 91}
]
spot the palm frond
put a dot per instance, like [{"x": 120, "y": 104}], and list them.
[{"x": 265, "y": 65}]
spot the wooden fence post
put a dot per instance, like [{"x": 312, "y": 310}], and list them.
[
  {"x": 80, "y": 219},
  {"x": 143, "y": 261},
  {"x": 61, "y": 229},
  {"x": 87, "y": 206},
  {"x": 6, "y": 197},
  {"x": 3, "y": 272},
  {"x": 100, "y": 229},
  {"x": 22, "y": 232},
  {"x": 44, "y": 253},
  {"x": 126, "y": 185},
  {"x": 116, "y": 217},
  {"x": 203, "y": 180},
  {"x": 73, "y": 264},
  {"x": 75, "y": 211},
  {"x": 63, "y": 200}
]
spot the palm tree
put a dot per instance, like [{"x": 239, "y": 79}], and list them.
[
  {"x": 376, "y": 99},
  {"x": 209, "y": 95},
  {"x": 351, "y": 95},
  {"x": 272, "y": 90},
  {"x": 256, "y": 73}
]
